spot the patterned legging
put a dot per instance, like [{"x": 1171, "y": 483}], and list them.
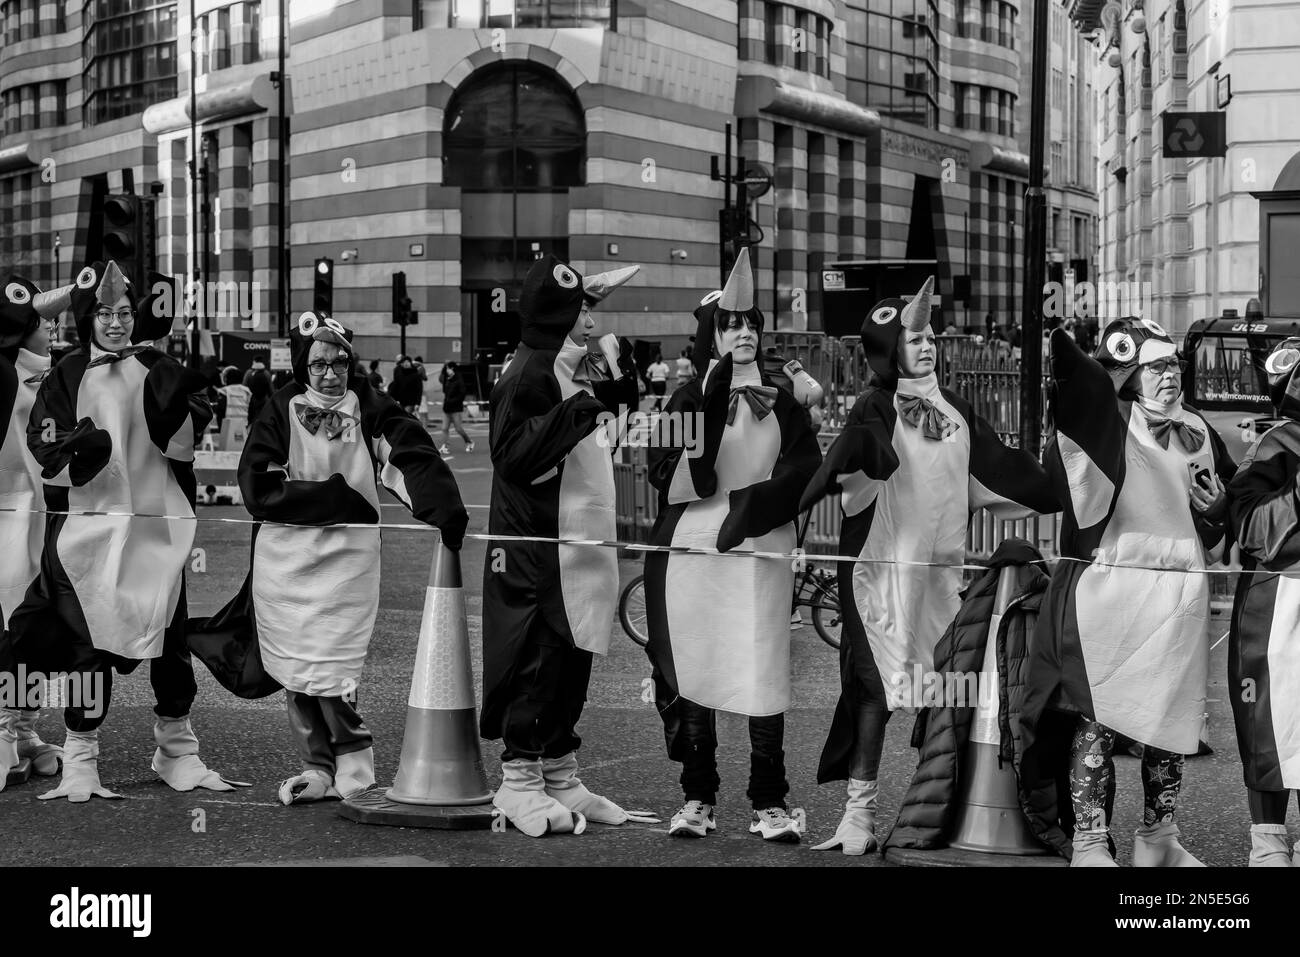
[{"x": 1092, "y": 778}]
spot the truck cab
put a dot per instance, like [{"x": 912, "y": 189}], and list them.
[{"x": 1225, "y": 378}]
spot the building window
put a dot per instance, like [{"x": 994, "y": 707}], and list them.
[
  {"x": 517, "y": 14},
  {"x": 514, "y": 127},
  {"x": 902, "y": 60},
  {"x": 791, "y": 38},
  {"x": 801, "y": 40},
  {"x": 960, "y": 94},
  {"x": 130, "y": 58}
]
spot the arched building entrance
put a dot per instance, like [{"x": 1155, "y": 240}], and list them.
[{"x": 514, "y": 143}]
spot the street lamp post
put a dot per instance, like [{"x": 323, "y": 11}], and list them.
[
  {"x": 1031, "y": 331},
  {"x": 195, "y": 275}
]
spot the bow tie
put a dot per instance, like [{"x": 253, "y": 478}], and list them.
[
  {"x": 1189, "y": 436},
  {"x": 335, "y": 423},
  {"x": 108, "y": 358},
  {"x": 591, "y": 368},
  {"x": 921, "y": 413},
  {"x": 761, "y": 399}
]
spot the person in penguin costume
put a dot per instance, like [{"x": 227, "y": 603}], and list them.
[
  {"x": 24, "y": 361},
  {"x": 308, "y": 472},
  {"x": 719, "y": 626},
  {"x": 113, "y": 427},
  {"x": 1122, "y": 639},
  {"x": 913, "y": 463},
  {"x": 548, "y": 608},
  {"x": 1265, "y": 517}
]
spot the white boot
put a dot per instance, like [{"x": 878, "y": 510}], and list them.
[
  {"x": 561, "y": 776},
  {"x": 1156, "y": 845},
  {"x": 1268, "y": 846},
  {"x": 45, "y": 758},
  {"x": 312, "y": 785},
  {"x": 8, "y": 744},
  {"x": 177, "y": 759},
  {"x": 1092, "y": 848},
  {"x": 354, "y": 772},
  {"x": 522, "y": 798},
  {"x": 80, "y": 779},
  {"x": 857, "y": 831}
]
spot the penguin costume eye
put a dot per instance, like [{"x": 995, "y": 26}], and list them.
[
  {"x": 1154, "y": 327},
  {"x": 1282, "y": 361},
  {"x": 86, "y": 279},
  {"x": 307, "y": 323},
  {"x": 711, "y": 297},
  {"x": 18, "y": 294},
  {"x": 1121, "y": 346},
  {"x": 884, "y": 315},
  {"x": 332, "y": 324},
  {"x": 564, "y": 276}
]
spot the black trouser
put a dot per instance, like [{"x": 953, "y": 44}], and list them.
[
  {"x": 691, "y": 731},
  {"x": 869, "y": 739},
  {"x": 1269, "y": 807},
  {"x": 172, "y": 674},
  {"x": 324, "y": 728},
  {"x": 547, "y": 693}
]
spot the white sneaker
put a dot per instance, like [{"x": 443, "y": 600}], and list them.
[
  {"x": 443, "y": 450},
  {"x": 775, "y": 824},
  {"x": 469, "y": 447},
  {"x": 695, "y": 819}
]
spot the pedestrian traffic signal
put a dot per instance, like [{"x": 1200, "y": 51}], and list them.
[
  {"x": 127, "y": 235},
  {"x": 323, "y": 298},
  {"x": 403, "y": 314}
]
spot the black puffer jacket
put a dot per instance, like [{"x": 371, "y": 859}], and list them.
[{"x": 941, "y": 733}]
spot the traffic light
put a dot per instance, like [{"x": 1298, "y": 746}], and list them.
[
  {"x": 128, "y": 235},
  {"x": 323, "y": 295},
  {"x": 403, "y": 314}
]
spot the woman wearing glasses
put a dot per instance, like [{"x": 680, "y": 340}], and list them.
[
  {"x": 113, "y": 428},
  {"x": 1122, "y": 641},
  {"x": 312, "y": 593}
]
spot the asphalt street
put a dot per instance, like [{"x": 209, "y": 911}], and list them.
[{"x": 622, "y": 754}]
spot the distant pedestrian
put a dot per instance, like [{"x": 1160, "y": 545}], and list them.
[
  {"x": 453, "y": 404},
  {"x": 685, "y": 368},
  {"x": 260, "y": 387},
  {"x": 657, "y": 373},
  {"x": 376, "y": 380},
  {"x": 406, "y": 387}
]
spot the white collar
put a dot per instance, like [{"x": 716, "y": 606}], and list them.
[
  {"x": 323, "y": 401},
  {"x": 1154, "y": 409},
  {"x": 741, "y": 375},
  {"x": 927, "y": 386},
  {"x": 29, "y": 363}
]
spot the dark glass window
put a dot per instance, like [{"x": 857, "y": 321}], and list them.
[
  {"x": 129, "y": 55},
  {"x": 514, "y": 127}
]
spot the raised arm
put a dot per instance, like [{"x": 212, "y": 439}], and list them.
[
  {"x": 531, "y": 433},
  {"x": 861, "y": 459},
  {"x": 1009, "y": 482}
]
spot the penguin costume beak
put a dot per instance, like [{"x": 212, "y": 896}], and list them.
[
  {"x": 597, "y": 287},
  {"x": 54, "y": 302},
  {"x": 916, "y": 314},
  {"x": 886, "y": 322}
]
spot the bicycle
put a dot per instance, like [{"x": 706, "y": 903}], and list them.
[{"x": 814, "y": 587}]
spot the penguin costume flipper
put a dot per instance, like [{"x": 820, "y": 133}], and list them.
[
  {"x": 1264, "y": 500},
  {"x": 1090, "y": 431},
  {"x": 70, "y": 451},
  {"x": 177, "y": 413},
  {"x": 764, "y": 506},
  {"x": 410, "y": 466},
  {"x": 1009, "y": 482},
  {"x": 862, "y": 457},
  {"x": 227, "y": 643},
  {"x": 531, "y": 433}
]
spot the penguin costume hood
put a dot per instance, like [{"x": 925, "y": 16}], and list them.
[
  {"x": 1128, "y": 343},
  {"x": 886, "y": 322},
  {"x": 715, "y": 309},
  {"x": 550, "y": 303},
  {"x": 1283, "y": 384},
  {"x": 18, "y": 314},
  {"x": 317, "y": 327}
]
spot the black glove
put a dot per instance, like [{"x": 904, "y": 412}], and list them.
[{"x": 735, "y": 529}]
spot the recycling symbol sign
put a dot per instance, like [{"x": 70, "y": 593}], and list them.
[{"x": 1193, "y": 135}]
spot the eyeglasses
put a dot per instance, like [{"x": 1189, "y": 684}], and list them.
[
  {"x": 339, "y": 367},
  {"x": 106, "y": 315},
  {"x": 1161, "y": 366}
]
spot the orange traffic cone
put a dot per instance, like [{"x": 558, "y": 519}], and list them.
[{"x": 440, "y": 779}]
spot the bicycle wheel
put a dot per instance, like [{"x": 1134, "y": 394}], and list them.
[
  {"x": 631, "y": 611},
  {"x": 826, "y": 616}
]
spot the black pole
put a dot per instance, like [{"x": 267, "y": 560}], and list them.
[
  {"x": 206, "y": 262},
  {"x": 1031, "y": 332},
  {"x": 282, "y": 252},
  {"x": 194, "y": 184},
  {"x": 724, "y": 231}
]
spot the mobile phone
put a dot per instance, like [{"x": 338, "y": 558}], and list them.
[{"x": 1200, "y": 474}]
